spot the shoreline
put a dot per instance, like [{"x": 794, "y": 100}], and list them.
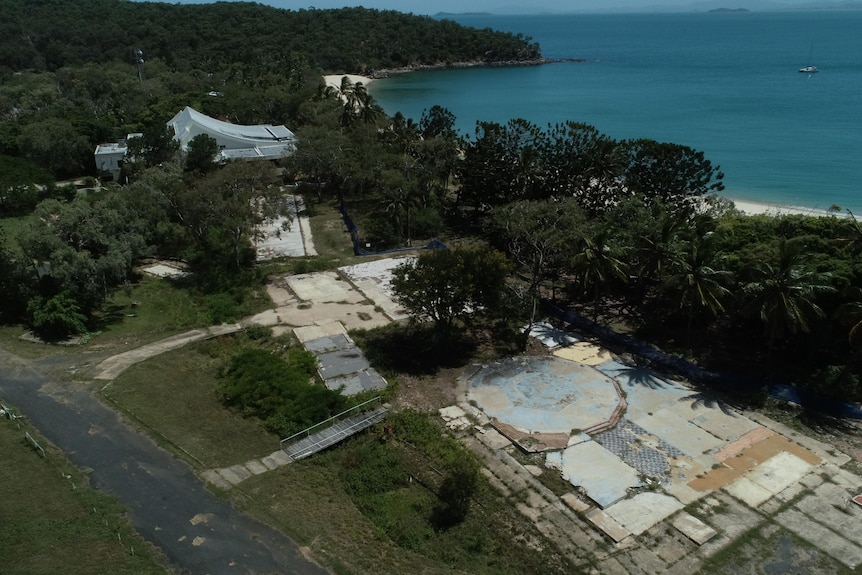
[
  {"x": 383, "y": 73},
  {"x": 334, "y": 80},
  {"x": 746, "y": 207},
  {"x": 755, "y": 208}
]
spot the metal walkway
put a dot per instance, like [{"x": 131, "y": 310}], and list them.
[{"x": 333, "y": 430}]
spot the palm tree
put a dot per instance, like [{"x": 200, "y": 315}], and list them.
[
  {"x": 597, "y": 262},
  {"x": 783, "y": 293},
  {"x": 698, "y": 282}
]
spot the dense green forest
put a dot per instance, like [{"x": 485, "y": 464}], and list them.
[
  {"x": 71, "y": 76},
  {"x": 47, "y": 35},
  {"x": 631, "y": 233}
]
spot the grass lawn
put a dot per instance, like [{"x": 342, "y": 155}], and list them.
[
  {"x": 48, "y": 527},
  {"x": 150, "y": 310},
  {"x": 331, "y": 238},
  {"x": 174, "y": 396},
  {"x": 307, "y": 500}
]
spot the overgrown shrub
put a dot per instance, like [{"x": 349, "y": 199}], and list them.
[
  {"x": 57, "y": 317},
  {"x": 222, "y": 308},
  {"x": 277, "y": 391}
]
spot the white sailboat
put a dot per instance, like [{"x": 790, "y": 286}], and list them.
[{"x": 809, "y": 68}]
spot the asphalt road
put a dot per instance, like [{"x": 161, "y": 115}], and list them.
[{"x": 168, "y": 503}]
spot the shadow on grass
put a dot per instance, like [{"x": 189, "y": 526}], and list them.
[{"x": 415, "y": 350}]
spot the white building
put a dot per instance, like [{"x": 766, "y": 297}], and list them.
[
  {"x": 110, "y": 157},
  {"x": 234, "y": 141}
]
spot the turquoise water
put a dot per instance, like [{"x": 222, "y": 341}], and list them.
[{"x": 725, "y": 84}]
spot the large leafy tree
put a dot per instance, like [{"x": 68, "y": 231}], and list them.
[
  {"x": 582, "y": 162},
  {"x": 22, "y": 185},
  {"x": 84, "y": 248},
  {"x": 539, "y": 236},
  {"x": 671, "y": 173},
  {"x": 450, "y": 285},
  {"x": 57, "y": 146},
  {"x": 501, "y": 165},
  {"x": 201, "y": 154},
  {"x": 223, "y": 212}
]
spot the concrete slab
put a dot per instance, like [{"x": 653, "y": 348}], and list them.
[
  {"x": 235, "y": 474},
  {"x": 214, "y": 477},
  {"x": 451, "y": 412},
  {"x": 164, "y": 271},
  {"x": 643, "y": 511},
  {"x": 725, "y": 425},
  {"x": 693, "y": 528},
  {"x": 494, "y": 440},
  {"x": 607, "y": 525},
  {"x": 256, "y": 466},
  {"x": 584, "y": 352},
  {"x": 546, "y": 395},
  {"x": 322, "y": 287},
  {"x": 779, "y": 472},
  {"x": 678, "y": 432},
  {"x": 324, "y": 343},
  {"x": 550, "y": 336},
  {"x": 821, "y": 537},
  {"x": 603, "y": 475},
  {"x": 356, "y": 382},
  {"x": 341, "y": 362},
  {"x": 748, "y": 491},
  {"x": 575, "y": 503},
  {"x": 327, "y": 329},
  {"x": 841, "y": 519},
  {"x": 380, "y": 271},
  {"x": 683, "y": 493},
  {"x": 286, "y": 236},
  {"x": 645, "y": 391},
  {"x": 277, "y": 458}
]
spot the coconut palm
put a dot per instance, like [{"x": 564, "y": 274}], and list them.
[
  {"x": 697, "y": 280},
  {"x": 597, "y": 262},
  {"x": 783, "y": 293}
]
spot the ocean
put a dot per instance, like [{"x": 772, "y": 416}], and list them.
[{"x": 727, "y": 84}]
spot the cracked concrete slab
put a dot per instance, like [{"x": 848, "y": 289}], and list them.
[
  {"x": 694, "y": 528},
  {"x": 642, "y": 511}
]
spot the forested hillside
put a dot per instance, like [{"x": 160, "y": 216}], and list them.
[{"x": 51, "y": 34}]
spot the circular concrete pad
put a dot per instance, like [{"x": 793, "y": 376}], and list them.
[{"x": 545, "y": 395}]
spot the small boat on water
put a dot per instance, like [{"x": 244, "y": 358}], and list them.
[{"x": 809, "y": 69}]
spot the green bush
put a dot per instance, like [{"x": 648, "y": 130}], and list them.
[
  {"x": 837, "y": 381},
  {"x": 370, "y": 468},
  {"x": 427, "y": 223},
  {"x": 56, "y": 318},
  {"x": 222, "y": 308},
  {"x": 278, "y": 392}
]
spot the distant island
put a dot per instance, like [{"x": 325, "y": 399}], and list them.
[{"x": 729, "y": 10}]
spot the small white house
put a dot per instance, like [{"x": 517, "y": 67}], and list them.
[{"x": 110, "y": 157}]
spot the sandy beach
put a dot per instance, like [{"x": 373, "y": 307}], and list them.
[
  {"x": 334, "y": 80},
  {"x": 764, "y": 208}
]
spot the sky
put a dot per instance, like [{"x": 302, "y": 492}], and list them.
[{"x": 510, "y": 6}]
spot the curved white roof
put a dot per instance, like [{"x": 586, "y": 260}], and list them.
[{"x": 262, "y": 141}]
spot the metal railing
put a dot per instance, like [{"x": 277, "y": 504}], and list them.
[{"x": 328, "y": 422}]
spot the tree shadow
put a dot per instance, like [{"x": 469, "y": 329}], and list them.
[
  {"x": 413, "y": 349},
  {"x": 709, "y": 400},
  {"x": 640, "y": 375}
]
